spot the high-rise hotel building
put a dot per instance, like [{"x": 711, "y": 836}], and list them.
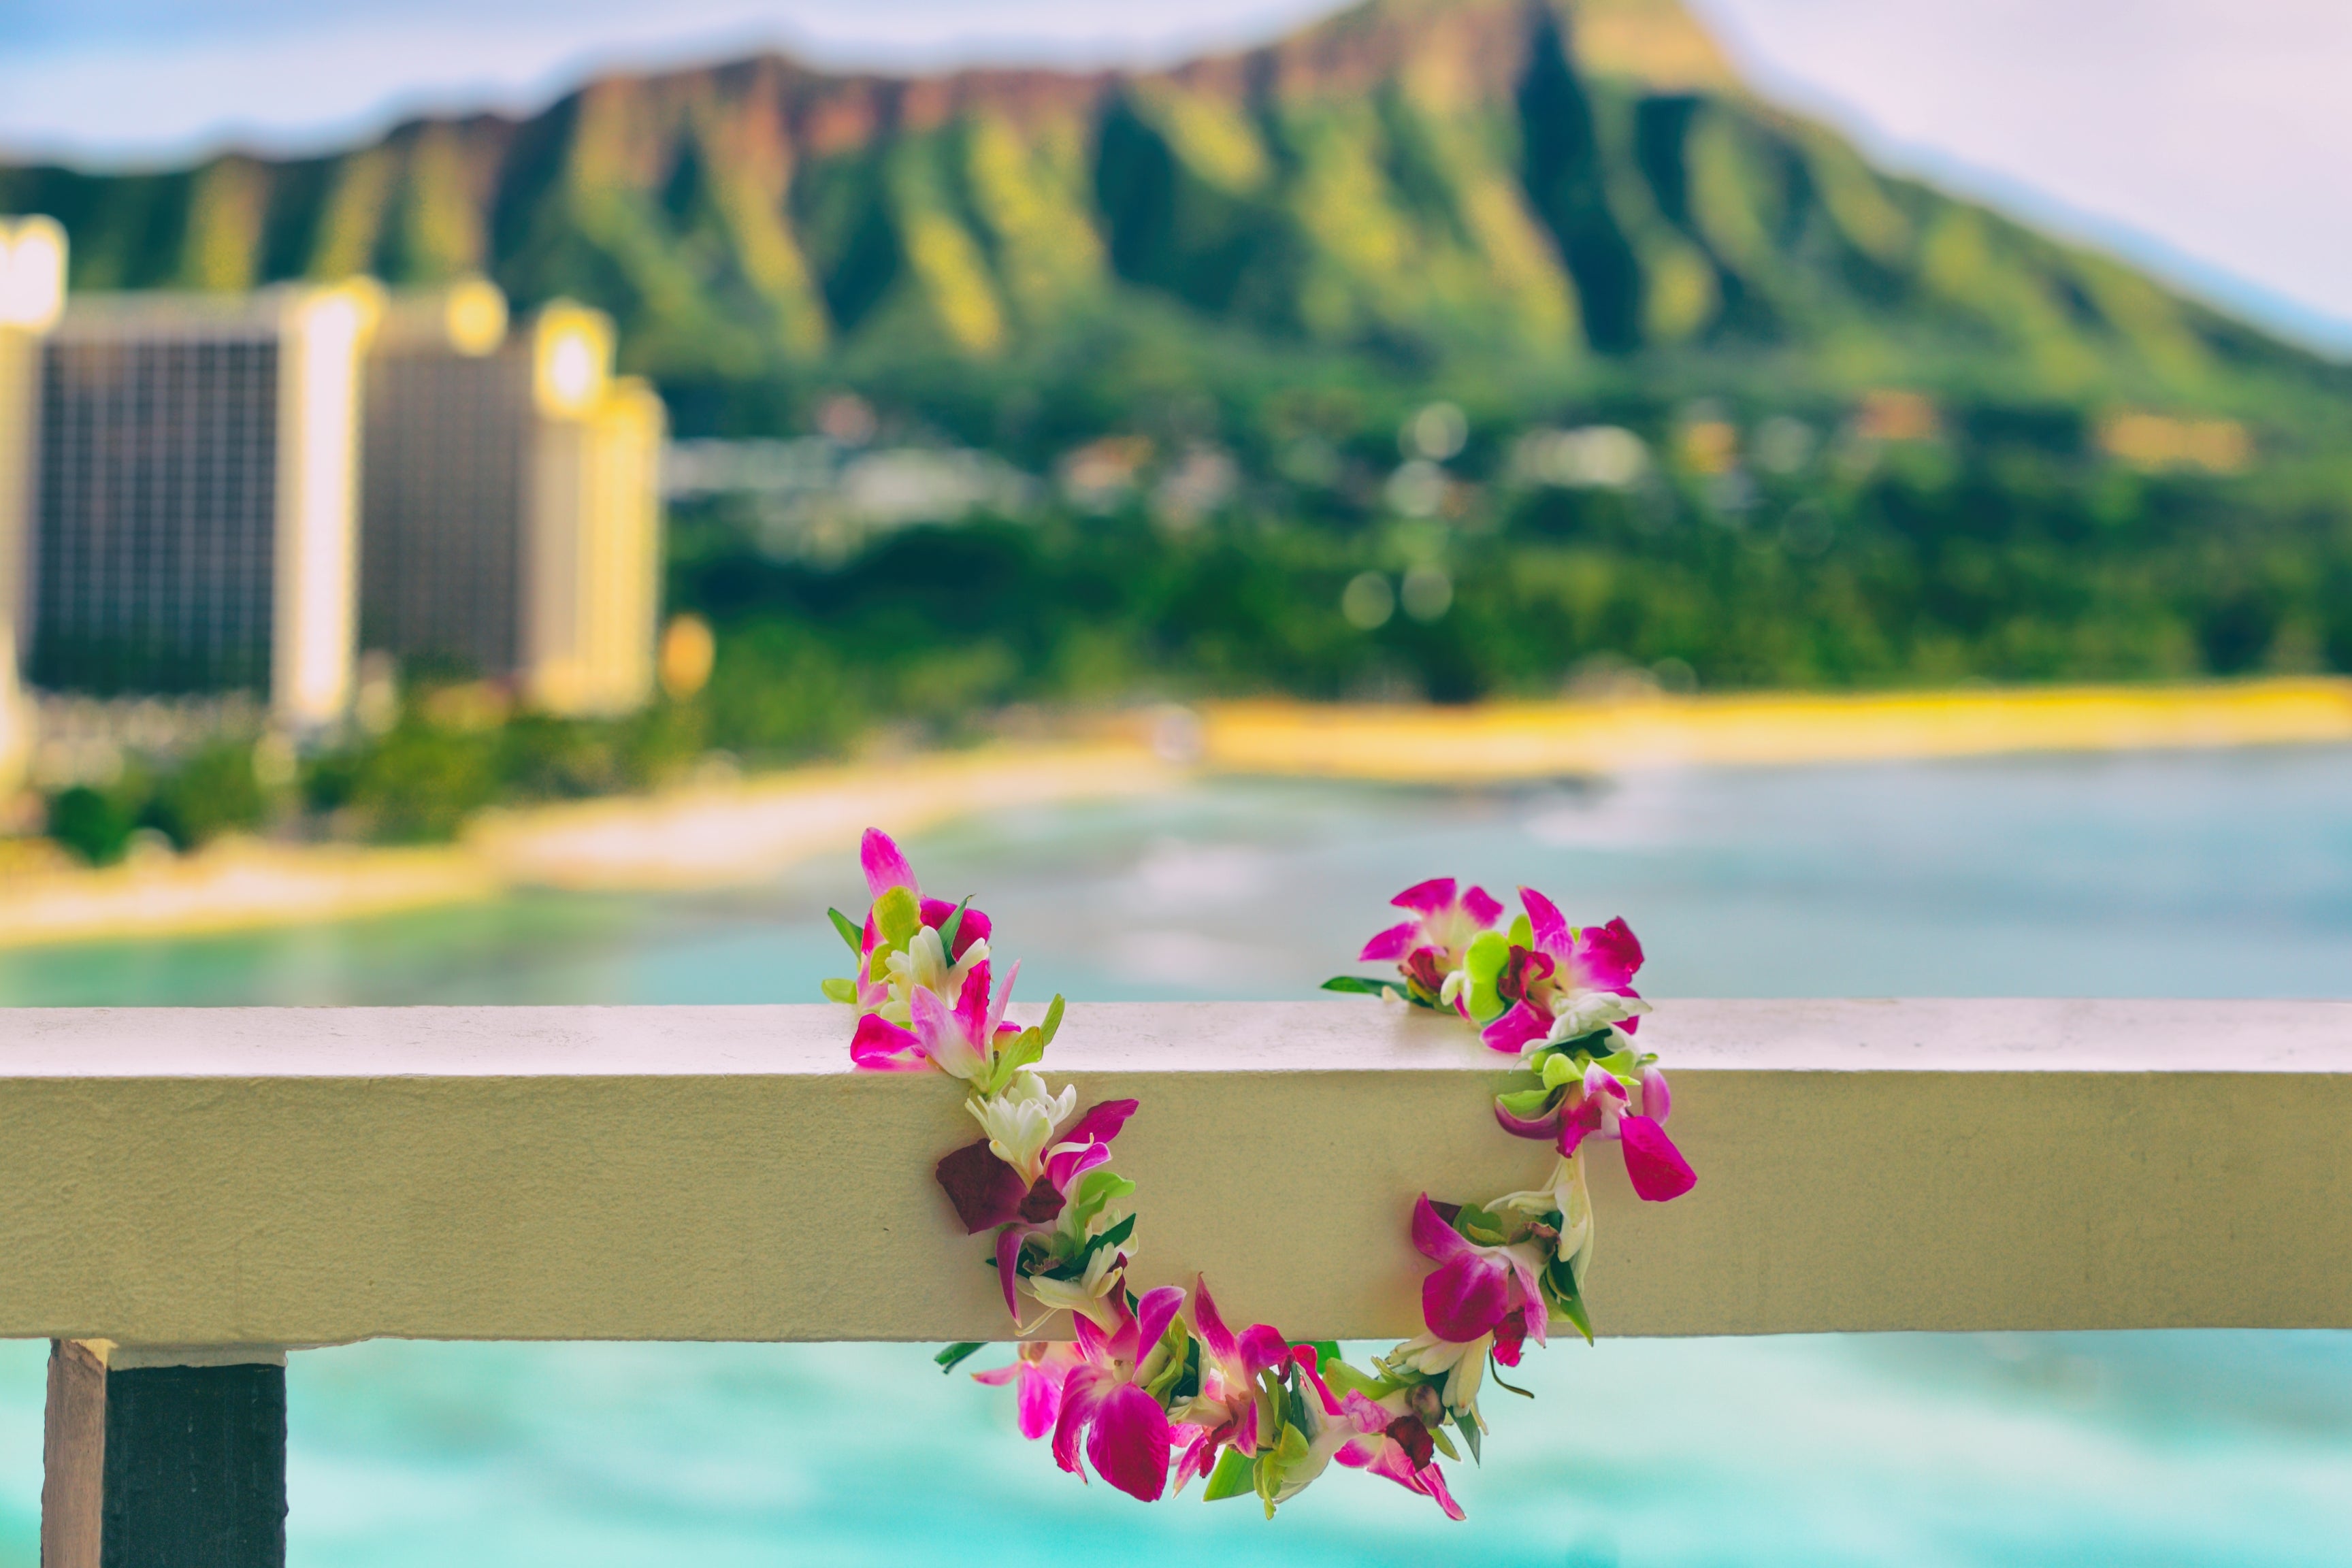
[
  {"x": 32, "y": 297},
  {"x": 195, "y": 503},
  {"x": 206, "y": 493},
  {"x": 510, "y": 516}
]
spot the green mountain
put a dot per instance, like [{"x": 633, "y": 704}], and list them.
[{"x": 1544, "y": 188}]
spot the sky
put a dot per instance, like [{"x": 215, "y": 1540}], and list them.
[{"x": 2204, "y": 139}]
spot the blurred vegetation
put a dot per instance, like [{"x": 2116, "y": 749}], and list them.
[
  {"x": 2003, "y": 550},
  {"x": 417, "y": 783}
]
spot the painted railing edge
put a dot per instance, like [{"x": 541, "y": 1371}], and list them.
[{"x": 300, "y": 1176}]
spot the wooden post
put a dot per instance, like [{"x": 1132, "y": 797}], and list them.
[{"x": 164, "y": 1458}]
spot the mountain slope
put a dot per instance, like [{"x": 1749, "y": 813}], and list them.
[{"x": 1555, "y": 182}]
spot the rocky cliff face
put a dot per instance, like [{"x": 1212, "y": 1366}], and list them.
[{"x": 1547, "y": 180}]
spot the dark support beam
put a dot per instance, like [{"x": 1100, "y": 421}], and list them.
[{"x": 162, "y": 1465}]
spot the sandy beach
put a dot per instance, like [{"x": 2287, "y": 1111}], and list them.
[
  {"x": 1499, "y": 743},
  {"x": 744, "y": 831}
]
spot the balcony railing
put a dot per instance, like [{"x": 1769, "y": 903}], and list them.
[{"x": 192, "y": 1193}]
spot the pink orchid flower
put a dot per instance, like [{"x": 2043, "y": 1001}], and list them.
[
  {"x": 886, "y": 866},
  {"x": 960, "y": 1040},
  {"x": 1403, "y": 1452},
  {"x": 1335, "y": 1427},
  {"x": 1600, "y": 1107},
  {"x": 1430, "y": 946},
  {"x": 1078, "y": 1147},
  {"x": 1125, "y": 1433},
  {"x": 1225, "y": 1413},
  {"x": 1476, "y": 1290},
  {"x": 1037, "y": 1375},
  {"x": 1571, "y": 982}
]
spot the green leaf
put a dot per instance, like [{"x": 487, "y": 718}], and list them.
[
  {"x": 1357, "y": 985},
  {"x": 1444, "y": 1444},
  {"x": 839, "y": 991},
  {"x": 1523, "y": 933},
  {"x": 897, "y": 918},
  {"x": 1479, "y": 1225},
  {"x": 1560, "y": 1287},
  {"x": 1025, "y": 1050},
  {"x": 1561, "y": 1071},
  {"x": 1345, "y": 1379},
  {"x": 1051, "y": 1026},
  {"x": 1110, "y": 1238},
  {"x": 1327, "y": 1352},
  {"x": 851, "y": 931},
  {"x": 1097, "y": 1187},
  {"x": 950, "y": 926},
  {"x": 1469, "y": 1427},
  {"x": 955, "y": 1355},
  {"x": 1483, "y": 965},
  {"x": 1527, "y": 1104},
  {"x": 1230, "y": 1478}
]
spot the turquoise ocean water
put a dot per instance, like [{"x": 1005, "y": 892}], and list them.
[{"x": 2227, "y": 875}]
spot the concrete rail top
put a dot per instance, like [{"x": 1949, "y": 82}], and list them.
[{"x": 298, "y": 1175}]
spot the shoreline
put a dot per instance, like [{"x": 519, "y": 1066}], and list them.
[
  {"x": 744, "y": 831},
  {"x": 1507, "y": 743}
]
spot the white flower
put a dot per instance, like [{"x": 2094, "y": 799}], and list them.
[
  {"x": 1462, "y": 1365},
  {"x": 1020, "y": 1122},
  {"x": 1576, "y": 1013},
  {"x": 1566, "y": 1195},
  {"x": 924, "y": 964},
  {"x": 1084, "y": 1294}
]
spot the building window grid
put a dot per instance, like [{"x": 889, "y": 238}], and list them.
[{"x": 157, "y": 527}]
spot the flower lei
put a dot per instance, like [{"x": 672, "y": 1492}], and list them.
[{"x": 1154, "y": 1389}]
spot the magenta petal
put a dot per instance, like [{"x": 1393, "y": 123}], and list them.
[
  {"x": 1095, "y": 1345},
  {"x": 1426, "y": 897},
  {"x": 1483, "y": 907},
  {"x": 1466, "y": 1297},
  {"x": 1082, "y": 1395},
  {"x": 1608, "y": 956},
  {"x": 1576, "y": 1123},
  {"x": 1153, "y": 1314},
  {"x": 1550, "y": 927},
  {"x": 1099, "y": 1123},
  {"x": 1262, "y": 1347},
  {"x": 1657, "y": 1100},
  {"x": 975, "y": 928},
  {"x": 1129, "y": 1443},
  {"x": 1039, "y": 1400},
  {"x": 971, "y": 1007},
  {"x": 1439, "y": 1242},
  {"x": 880, "y": 1046},
  {"x": 886, "y": 868},
  {"x": 1211, "y": 1324},
  {"x": 1068, "y": 1165},
  {"x": 1309, "y": 1363},
  {"x": 1432, "y": 1484},
  {"x": 1658, "y": 1168},
  {"x": 1390, "y": 944},
  {"x": 1515, "y": 1029}
]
